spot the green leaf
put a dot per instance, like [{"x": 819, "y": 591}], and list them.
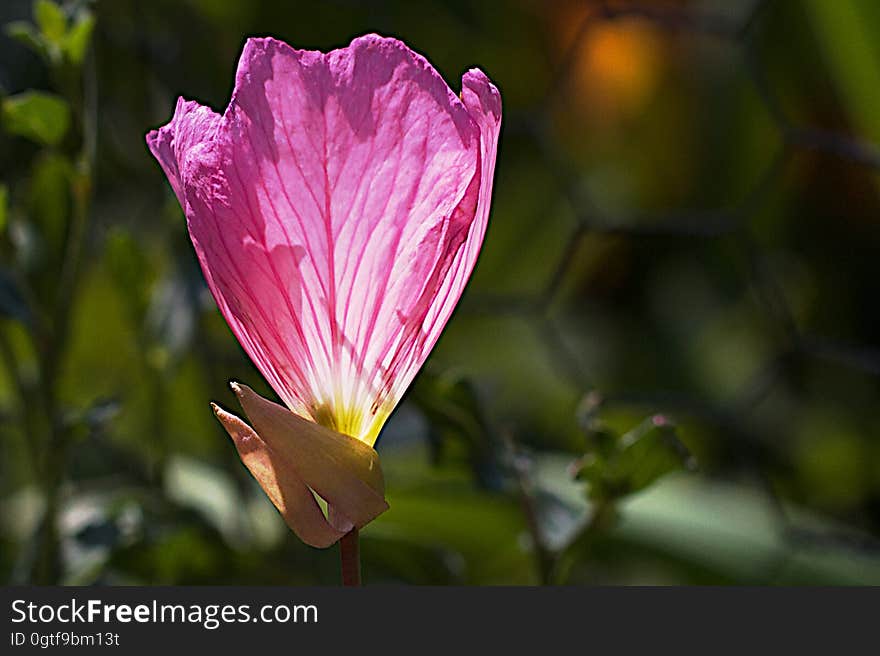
[
  {"x": 439, "y": 508},
  {"x": 48, "y": 200},
  {"x": 736, "y": 531},
  {"x": 638, "y": 459},
  {"x": 650, "y": 451},
  {"x": 26, "y": 35},
  {"x": 601, "y": 440},
  {"x": 39, "y": 116},
  {"x": 130, "y": 270},
  {"x": 51, "y": 20},
  {"x": 456, "y": 419},
  {"x": 78, "y": 38},
  {"x": 843, "y": 31}
]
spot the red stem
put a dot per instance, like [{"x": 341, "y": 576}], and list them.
[{"x": 350, "y": 559}]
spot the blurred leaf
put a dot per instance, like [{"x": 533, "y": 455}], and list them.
[
  {"x": 642, "y": 456},
  {"x": 393, "y": 561},
  {"x": 452, "y": 406},
  {"x": 210, "y": 491},
  {"x": 55, "y": 37},
  {"x": 36, "y": 115},
  {"x": 26, "y": 35},
  {"x": 832, "y": 459},
  {"x": 50, "y": 19},
  {"x": 439, "y": 507},
  {"x": 600, "y": 439},
  {"x": 128, "y": 265},
  {"x": 481, "y": 528},
  {"x": 843, "y": 29},
  {"x": 649, "y": 451},
  {"x": 736, "y": 531},
  {"x": 49, "y": 199},
  {"x": 76, "y": 44}
]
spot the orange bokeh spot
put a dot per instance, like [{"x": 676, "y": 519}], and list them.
[
  {"x": 620, "y": 62},
  {"x": 617, "y": 65}
]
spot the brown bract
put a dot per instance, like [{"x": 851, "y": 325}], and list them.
[{"x": 293, "y": 459}]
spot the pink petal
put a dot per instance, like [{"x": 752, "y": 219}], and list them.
[
  {"x": 181, "y": 140},
  {"x": 337, "y": 209},
  {"x": 483, "y": 102}
]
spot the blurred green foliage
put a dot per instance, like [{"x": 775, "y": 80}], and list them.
[{"x": 681, "y": 267}]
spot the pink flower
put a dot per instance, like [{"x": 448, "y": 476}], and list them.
[{"x": 337, "y": 208}]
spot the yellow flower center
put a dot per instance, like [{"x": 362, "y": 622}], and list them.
[{"x": 351, "y": 420}]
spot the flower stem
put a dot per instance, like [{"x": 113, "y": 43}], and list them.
[{"x": 350, "y": 559}]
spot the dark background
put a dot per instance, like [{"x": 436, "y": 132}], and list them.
[{"x": 686, "y": 224}]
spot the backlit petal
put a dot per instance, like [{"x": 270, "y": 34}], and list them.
[
  {"x": 337, "y": 208},
  {"x": 483, "y": 103}
]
